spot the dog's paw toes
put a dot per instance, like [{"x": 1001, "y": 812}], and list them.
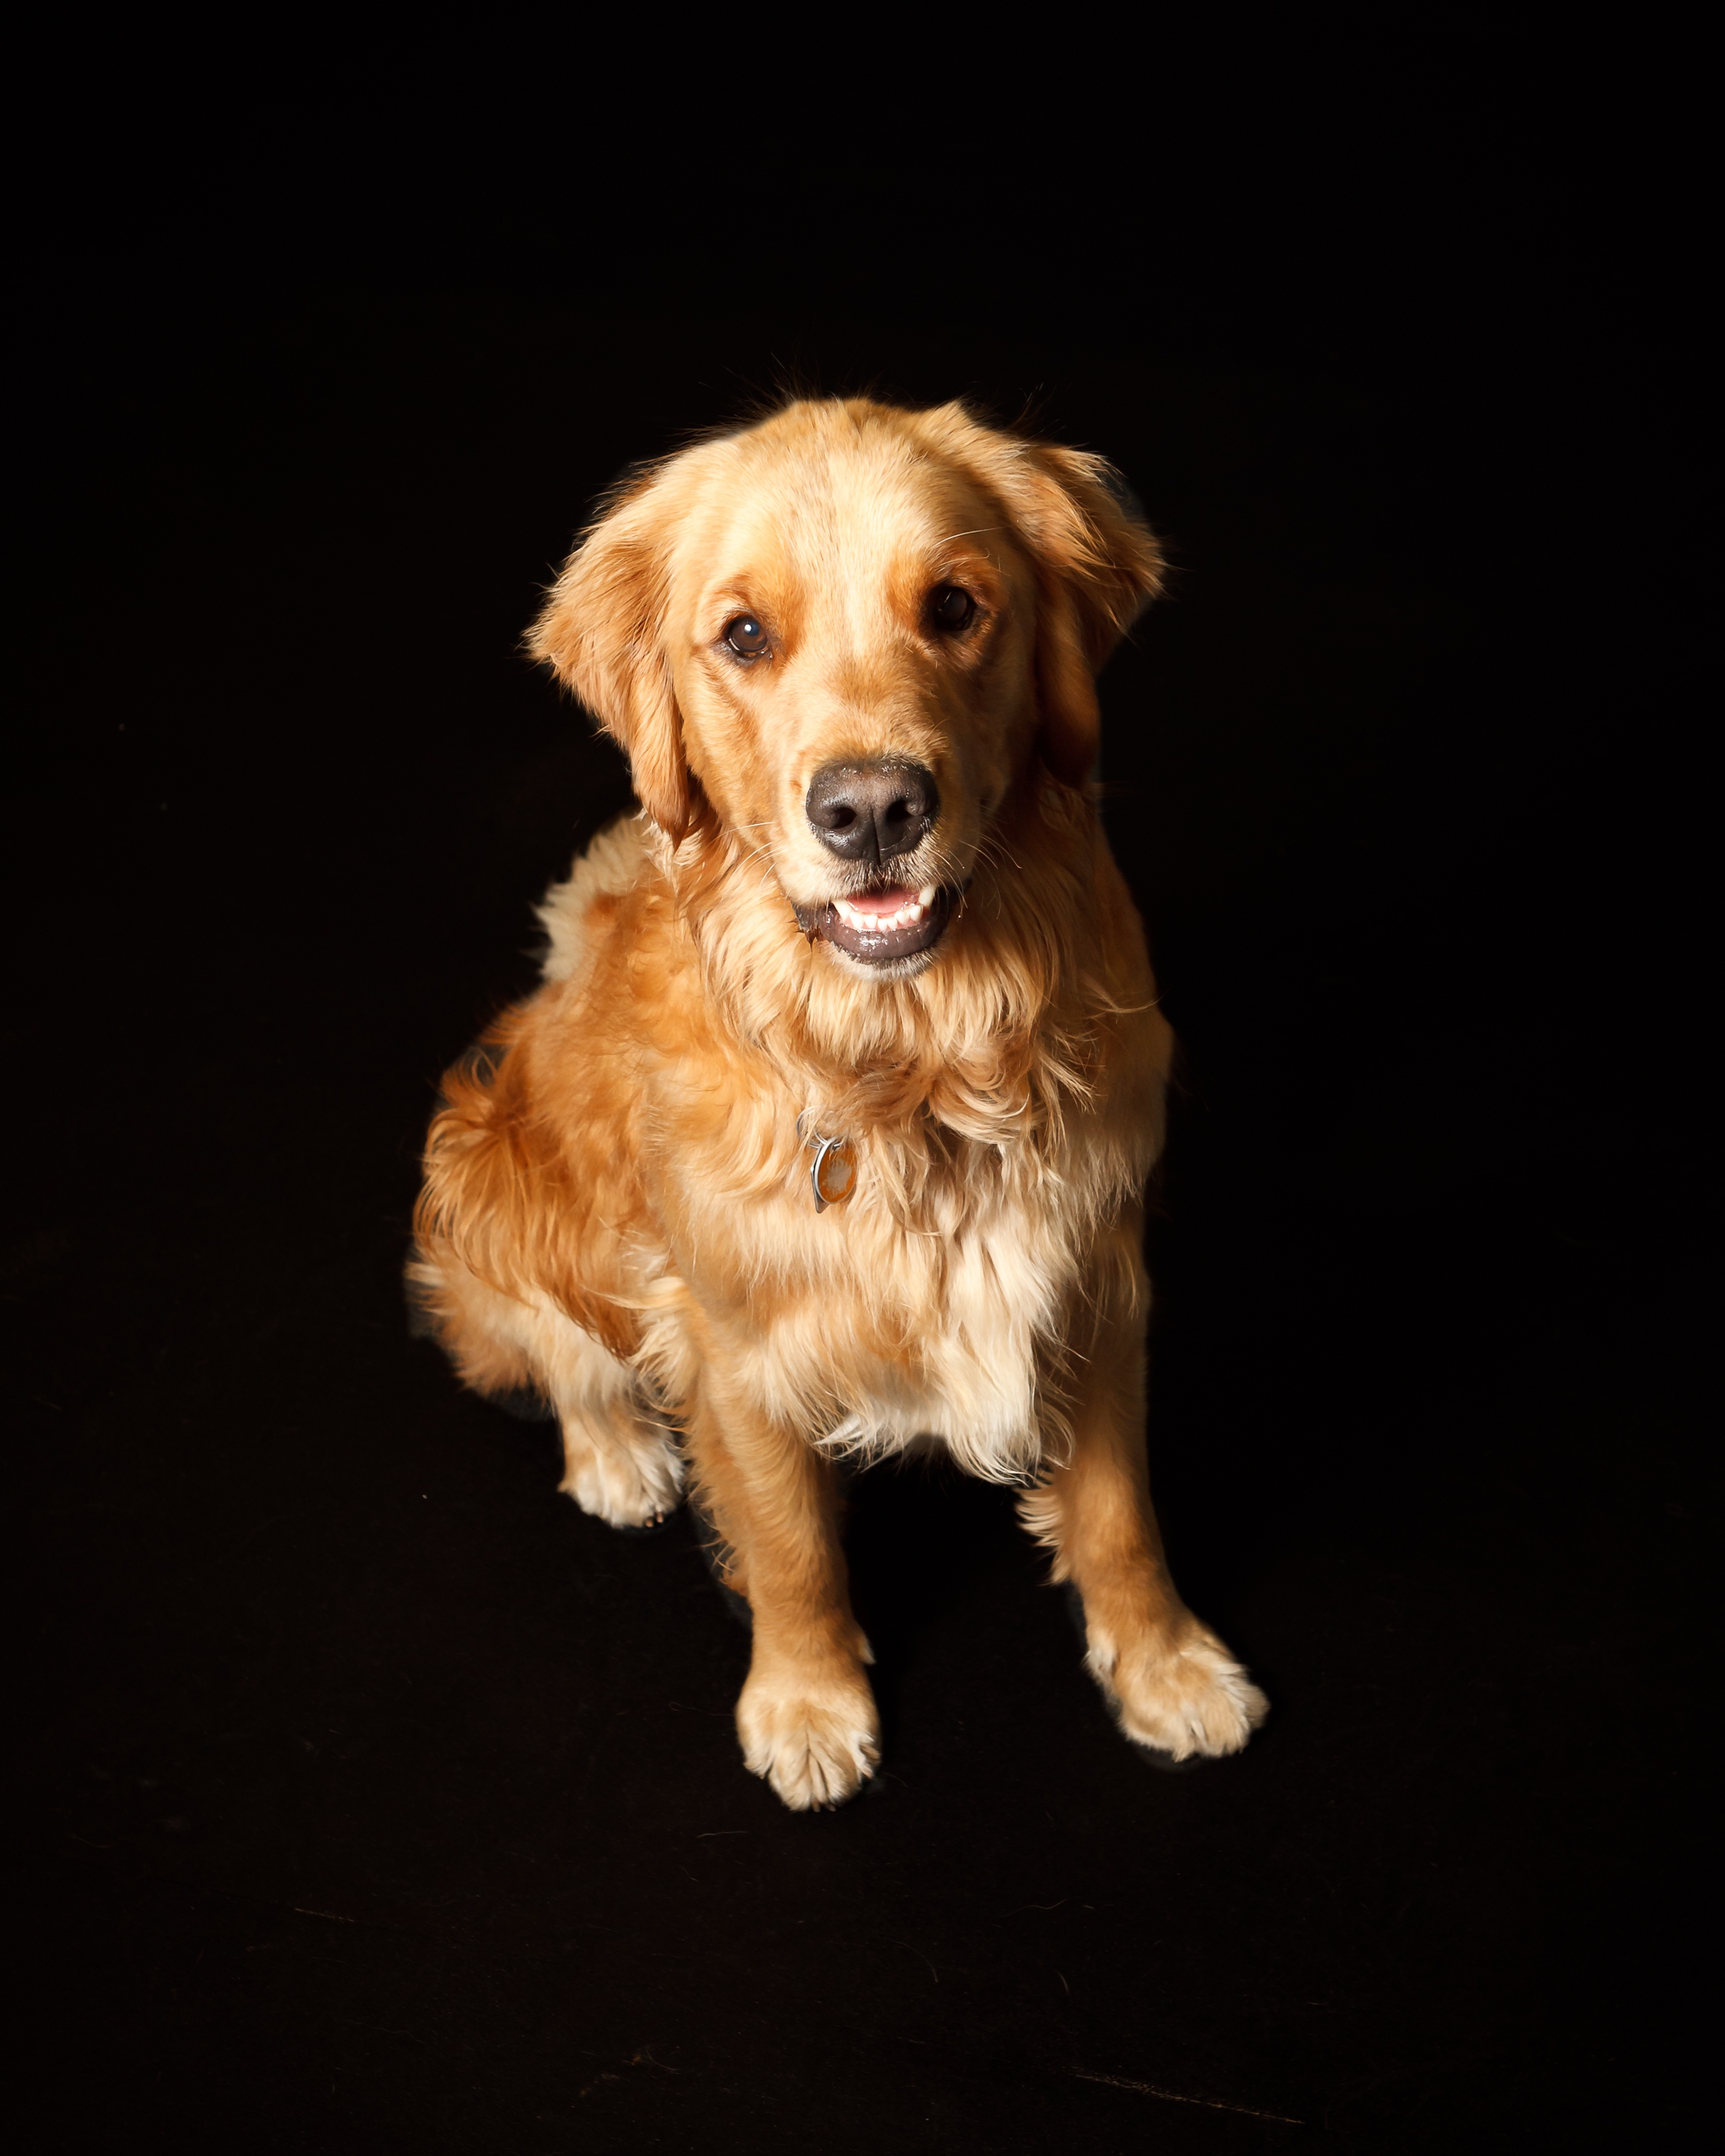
[
  {"x": 817, "y": 1768},
  {"x": 655, "y": 1523},
  {"x": 1183, "y": 1700},
  {"x": 815, "y": 1752},
  {"x": 635, "y": 1489}
]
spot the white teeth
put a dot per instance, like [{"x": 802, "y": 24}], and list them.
[{"x": 879, "y": 924}]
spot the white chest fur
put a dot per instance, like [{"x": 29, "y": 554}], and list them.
[
  {"x": 883, "y": 1321},
  {"x": 972, "y": 1378}
]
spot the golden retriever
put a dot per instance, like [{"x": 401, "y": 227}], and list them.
[{"x": 828, "y": 1131}]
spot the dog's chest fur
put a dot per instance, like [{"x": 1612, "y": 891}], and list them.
[
  {"x": 983, "y": 1304},
  {"x": 932, "y": 1304}
]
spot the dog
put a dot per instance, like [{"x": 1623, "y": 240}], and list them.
[{"x": 827, "y": 1134}]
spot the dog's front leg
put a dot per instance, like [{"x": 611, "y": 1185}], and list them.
[
  {"x": 1173, "y": 1687},
  {"x": 807, "y": 1716}
]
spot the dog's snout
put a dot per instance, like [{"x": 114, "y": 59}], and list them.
[{"x": 871, "y": 812}]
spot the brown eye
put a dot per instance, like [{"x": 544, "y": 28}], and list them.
[
  {"x": 951, "y": 608},
  {"x": 745, "y": 636}
]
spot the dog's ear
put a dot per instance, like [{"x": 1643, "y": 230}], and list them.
[
  {"x": 1097, "y": 566},
  {"x": 601, "y": 632}
]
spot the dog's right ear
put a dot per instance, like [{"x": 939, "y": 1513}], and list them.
[{"x": 601, "y": 632}]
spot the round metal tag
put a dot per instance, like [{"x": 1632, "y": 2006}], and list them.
[{"x": 834, "y": 1174}]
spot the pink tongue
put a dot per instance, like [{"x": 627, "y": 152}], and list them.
[{"x": 883, "y": 902}]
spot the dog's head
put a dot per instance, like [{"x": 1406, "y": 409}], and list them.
[{"x": 842, "y": 636}]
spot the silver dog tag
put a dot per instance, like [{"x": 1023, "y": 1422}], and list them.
[{"x": 832, "y": 1174}]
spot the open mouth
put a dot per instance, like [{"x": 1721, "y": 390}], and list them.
[{"x": 879, "y": 925}]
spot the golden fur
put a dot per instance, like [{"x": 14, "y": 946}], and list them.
[{"x": 617, "y": 1210}]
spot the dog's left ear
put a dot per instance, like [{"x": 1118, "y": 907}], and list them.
[
  {"x": 1098, "y": 565},
  {"x": 602, "y": 631}
]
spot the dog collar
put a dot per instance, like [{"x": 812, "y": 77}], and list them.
[{"x": 832, "y": 1175}]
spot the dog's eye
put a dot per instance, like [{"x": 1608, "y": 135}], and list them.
[
  {"x": 951, "y": 608},
  {"x": 745, "y": 636}
]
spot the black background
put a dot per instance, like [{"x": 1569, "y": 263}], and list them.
[{"x": 382, "y": 1798}]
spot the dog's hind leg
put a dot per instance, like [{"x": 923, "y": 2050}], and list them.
[{"x": 621, "y": 1462}]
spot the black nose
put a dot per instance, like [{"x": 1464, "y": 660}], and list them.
[{"x": 869, "y": 812}]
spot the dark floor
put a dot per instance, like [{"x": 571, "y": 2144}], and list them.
[{"x": 385, "y": 1801}]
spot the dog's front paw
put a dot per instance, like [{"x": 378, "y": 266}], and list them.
[
  {"x": 1177, "y": 1690},
  {"x": 816, "y": 1740}
]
